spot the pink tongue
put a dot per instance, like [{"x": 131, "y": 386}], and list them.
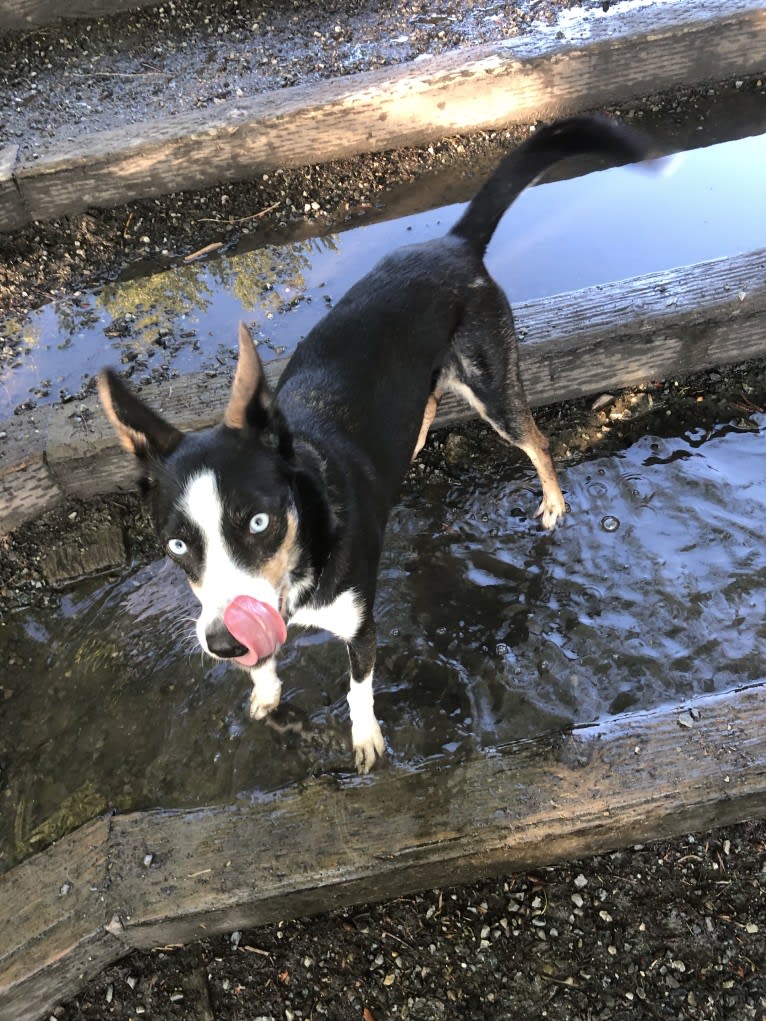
[{"x": 256, "y": 625}]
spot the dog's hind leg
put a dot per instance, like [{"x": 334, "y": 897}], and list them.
[
  {"x": 484, "y": 370},
  {"x": 428, "y": 416}
]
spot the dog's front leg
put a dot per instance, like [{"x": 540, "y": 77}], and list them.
[
  {"x": 267, "y": 689},
  {"x": 366, "y": 735}
]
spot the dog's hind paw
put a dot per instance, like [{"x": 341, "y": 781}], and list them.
[{"x": 369, "y": 746}]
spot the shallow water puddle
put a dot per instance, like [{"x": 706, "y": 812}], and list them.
[
  {"x": 558, "y": 237},
  {"x": 653, "y": 590}
]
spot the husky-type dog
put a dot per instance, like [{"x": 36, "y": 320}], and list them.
[{"x": 277, "y": 514}]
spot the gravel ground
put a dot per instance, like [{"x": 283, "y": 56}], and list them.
[{"x": 671, "y": 929}]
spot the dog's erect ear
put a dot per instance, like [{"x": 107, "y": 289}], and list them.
[
  {"x": 250, "y": 400},
  {"x": 141, "y": 431},
  {"x": 251, "y": 403}
]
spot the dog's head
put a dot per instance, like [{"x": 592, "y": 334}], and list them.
[{"x": 222, "y": 503}]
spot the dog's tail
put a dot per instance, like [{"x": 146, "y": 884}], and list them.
[{"x": 574, "y": 136}]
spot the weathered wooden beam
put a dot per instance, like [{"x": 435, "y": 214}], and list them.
[
  {"x": 153, "y": 878},
  {"x": 53, "y": 922},
  {"x": 610, "y": 335},
  {"x": 581, "y": 63}
]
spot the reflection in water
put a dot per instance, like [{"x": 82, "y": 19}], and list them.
[
  {"x": 490, "y": 632},
  {"x": 557, "y": 237},
  {"x": 182, "y": 320}
]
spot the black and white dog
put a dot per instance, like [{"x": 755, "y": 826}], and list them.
[{"x": 277, "y": 514}]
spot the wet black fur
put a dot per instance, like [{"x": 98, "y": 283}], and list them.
[{"x": 336, "y": 438}]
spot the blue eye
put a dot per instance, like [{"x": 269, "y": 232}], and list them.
[
  {"x": 258, "y": 523},
  {"x": 177, "y": 547}
]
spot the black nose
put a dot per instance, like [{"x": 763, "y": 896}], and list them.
[{"x": 222, "y": 643}]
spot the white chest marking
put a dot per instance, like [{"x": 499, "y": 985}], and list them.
[{"x": 341, "y": 617}]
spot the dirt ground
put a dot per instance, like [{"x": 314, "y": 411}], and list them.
[{"x": 670, "y": 929}]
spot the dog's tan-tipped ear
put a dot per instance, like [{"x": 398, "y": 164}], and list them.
[
  {"x": 249, "y": 383},
  {"x": 140, "y": 430},
  {"x": 251, "y": 403}
]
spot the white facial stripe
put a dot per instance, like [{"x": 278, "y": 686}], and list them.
[
  {"x": 222, "y": 578},
  {"x": 201, "y": 503}
]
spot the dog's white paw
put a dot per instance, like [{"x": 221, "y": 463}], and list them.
[
  {"x": 366, "y": 735},
  {"x": 369, "y": 746},
  {"x": 267, "y": 691},
  {"x": 550, "y": 510},
  {"x": 259, "y": 710}
]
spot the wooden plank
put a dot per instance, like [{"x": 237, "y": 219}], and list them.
[
  {"x": 52, "y": 924},
  {"x": 24, "y": 14},
  {"x": 82, "y": 441},
  {"x": 331, "y": 843},
  {"x": 26, "y": 492},
  {"x": 147, "y": 879},
  {"x": 578, "y": 64},
  {"x": 610, "y": 335}
]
